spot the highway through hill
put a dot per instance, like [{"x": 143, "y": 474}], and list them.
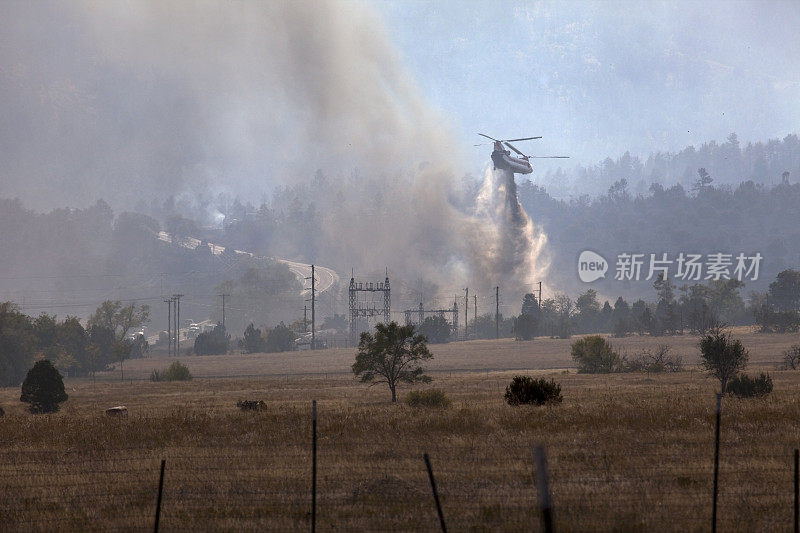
[{"x": 326, "y": 278}]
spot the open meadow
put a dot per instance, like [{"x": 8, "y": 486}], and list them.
[
  {"x": 543, "y": 353},
  {"x": 630, "y": 452}
]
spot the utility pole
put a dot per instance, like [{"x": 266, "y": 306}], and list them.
[
  {"x": 313, "y": 310},
  {"x": 466, "y": 311},
  {"x": 475, "y": 315},
  {"x": 173, "y": 333},
  {"x": 169, "y": 326},
  {"x": 223, "y": 308},
  {"x": 497, "y": 312},
  {"x": 540, "y": 296},
  {"x": 177, "y": 323}
]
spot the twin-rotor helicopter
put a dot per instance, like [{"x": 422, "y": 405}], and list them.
[{"x": 503, "y": 159}]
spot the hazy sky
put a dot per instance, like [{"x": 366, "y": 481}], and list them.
[
  {"x": 133, "y": 100},
  {"x": 599, "y": 78}
]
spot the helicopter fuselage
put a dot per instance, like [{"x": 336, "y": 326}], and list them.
[{"x": 503, "y": 160}]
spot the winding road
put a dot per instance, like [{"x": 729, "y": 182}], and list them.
[{"x": 326, "y": 278}]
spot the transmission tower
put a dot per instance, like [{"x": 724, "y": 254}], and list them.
[{"x": 365, "y": 309}]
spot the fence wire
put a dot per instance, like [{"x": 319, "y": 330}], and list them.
[{"x": 369, "y": 488}]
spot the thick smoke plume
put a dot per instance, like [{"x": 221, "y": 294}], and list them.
[
  {"x": 515, "y": 251},
  {"x": 129, "y": 101}
]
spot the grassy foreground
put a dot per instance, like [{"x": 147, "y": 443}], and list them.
[{"x": 625, "y": 452}]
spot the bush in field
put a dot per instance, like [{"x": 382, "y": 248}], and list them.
[
  {"x": 428, "y": 398},
  {"x": 175, "y": 372},
  {"x": 654, "y": 361},
  {"x": 2, "y": 412},
  {"x": 252, "y": 405},
  {"x": 43, "y": 388},
  {"x": 593, "y": 355},
  {"x": 791, "y": 358},
  {"x": 526, "y": 390},
  {"x": 744, "y": 386}
]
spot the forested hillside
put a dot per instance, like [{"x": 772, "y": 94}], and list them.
[
  {"x": 747, "y": 219},
  {"x": 728, "y": 163}
]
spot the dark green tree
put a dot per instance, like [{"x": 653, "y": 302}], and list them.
[
  {"x": 17, "y": 344},
  {"x": 214, "y": 342},
  {"x": 722, "y": 356},
  {"x": 337, "y": 322},
  {"x": 704, "y": 179},
  {"x": 121, "y": 351},
  {"x": 530, "y": 306},
  {"x": 621, "y": 318},
  {"x": 101, "y": 347},
  {"x": 525, "y": 326},
  {"x": 588, "y": 311},
  {"x": 280, "y": 339},
  {"x": 725, "y": 301},
  {"x": 43, "y": 388},
  {"x": 697, "y": 311},
  {"x": 606, "y": 315},
  {"x": 436, "y": 329},
  {"x": 253, "y": 341},
  {"x": 391, "y": 356},
  {"x": 45, "y": 327},
  {"x": 75, "y": 341},
  {"x": 638, "y": 309},
  {"x": 667, "y": 315},
  {"x": 784, "y": 292}
]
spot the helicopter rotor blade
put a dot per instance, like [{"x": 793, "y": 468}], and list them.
[
  {"x": 549, "y": 157},
  {"x": 524, "y": 139},
  {"x": 492, "y": 138},
  {"x": 512, "y": 147}
]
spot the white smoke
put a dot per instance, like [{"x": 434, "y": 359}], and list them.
[
  {"x": 132, "y": 100},
  {"x": 515, "y": 246}
]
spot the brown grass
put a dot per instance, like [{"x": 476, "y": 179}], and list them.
[
  {"x": 626, "y": 452},
  {"x": 485, "y": 355}
]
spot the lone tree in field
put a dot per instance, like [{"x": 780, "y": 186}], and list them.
[
  {"x": 391, "y": 356},
  {"x": 43, "y": 388},
  {"x": 722, "y": 356}
]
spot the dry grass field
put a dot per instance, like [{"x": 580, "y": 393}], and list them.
[
  {"x": 484, "y": 355},
  {"x": 630, "y": 452}
]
